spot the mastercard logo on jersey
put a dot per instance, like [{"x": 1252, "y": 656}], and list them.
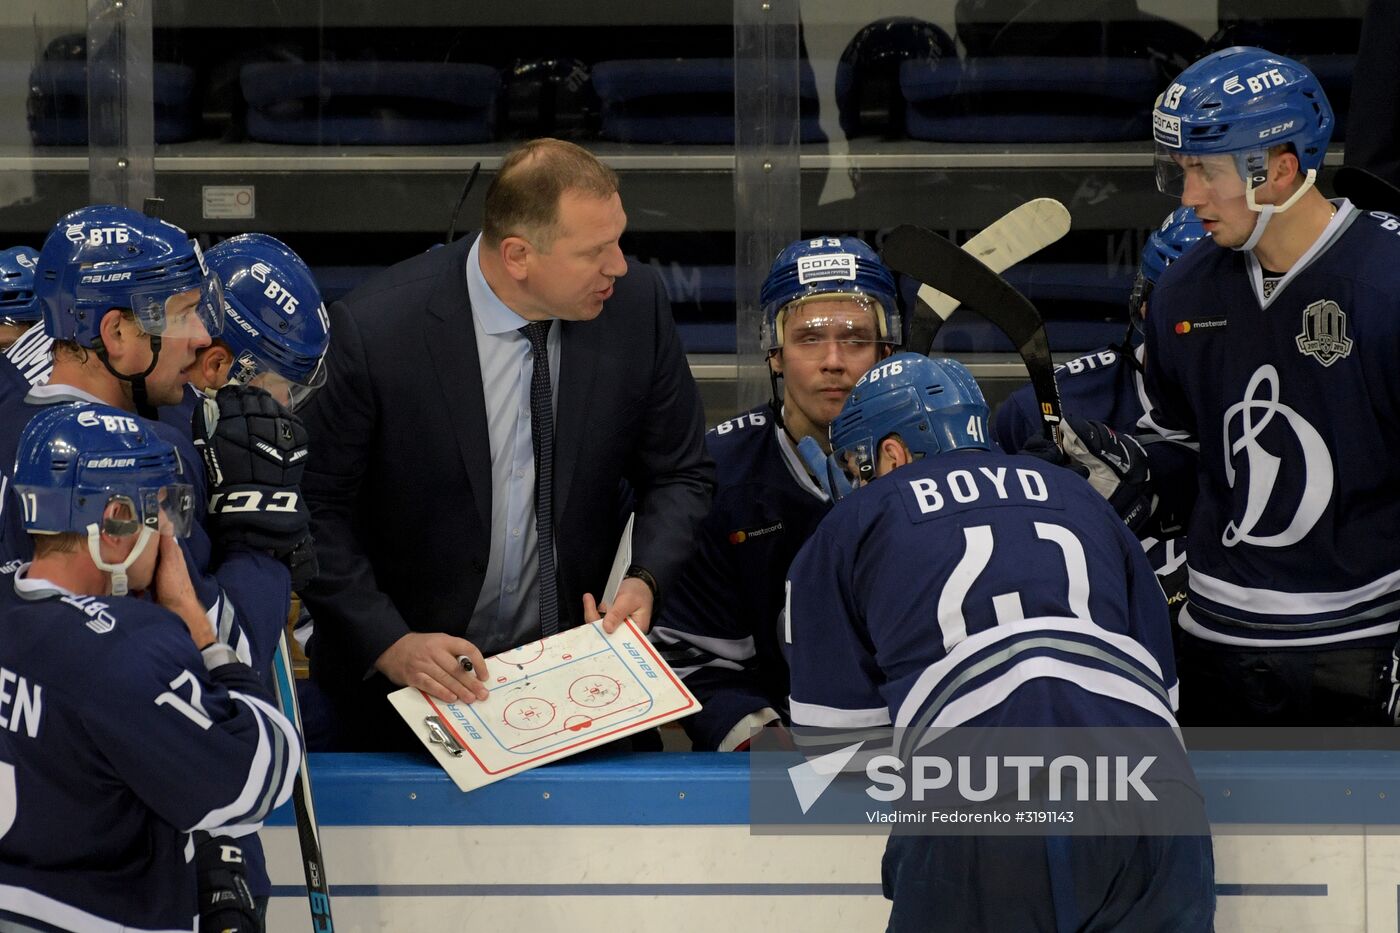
[
  {"x": 744, "y": 534},
  {"x": 1186, "y": 327}
]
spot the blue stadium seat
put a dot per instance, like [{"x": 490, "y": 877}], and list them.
[
  {"x": 1030, "y": 99},
  {"x": 58, "y": 103},
  {"x": 371, "y": 103}
]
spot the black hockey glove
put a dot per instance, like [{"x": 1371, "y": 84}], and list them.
[
  {"x": 1042, "y": 448},
  {"x": 1117, "y": 468},
  {"x": 225, "y": 903},
  {"x": 254, "y": 453}
]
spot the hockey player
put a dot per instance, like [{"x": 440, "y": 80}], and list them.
[
  {"x": 1273, "y": 352},
  {"x": 130, "y": 726},
  {"x": 130, "y": 303},
  {"x": 828, "y": 314},
  {"x": 1106, "y": 386},
  {"x": 276, "y": 329},
  {"x": 958, "y": 585},
  {"x": 19, "y": 310}
]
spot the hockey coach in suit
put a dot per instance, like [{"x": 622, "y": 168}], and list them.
[{"x": 445, "y": 460}]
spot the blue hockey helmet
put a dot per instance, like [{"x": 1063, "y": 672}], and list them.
[
  {"x": 17, "y": 302},
  {"x": 1164, "y": 246},
  {"x": 824, "y": 269},
  {"x": 276, "y": 324},
  {"x": 934, "y": 405},
  {"x": 103, "y": 257},
  {"x": 1235, "y": 104},
  {"x": 75, "y": 461}
]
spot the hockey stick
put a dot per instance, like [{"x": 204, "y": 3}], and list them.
[
  {"x": 1367, "y": 191},
  {"x": 937, "y": 261},
  {"x": 318, "y": 892},
  {"x": 1017, "y": 234}
]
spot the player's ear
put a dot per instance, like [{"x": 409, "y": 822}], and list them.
[
  {"x": 515, "y": 253},
  {"x": 215, "y": 361},
  {"x": 1284, "y": 169},
  {"x": 117, "y": 332},
  {"x": 775, "y": 362},
  {"x": 893, "y": 450}
]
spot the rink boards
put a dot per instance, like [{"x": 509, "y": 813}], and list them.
[{"x": 662, "y": 842}]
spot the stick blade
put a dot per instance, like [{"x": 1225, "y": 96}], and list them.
[{"x": 1020, "y": 233}]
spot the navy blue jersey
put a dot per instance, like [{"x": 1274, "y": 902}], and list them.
[
  {"x": 1292, "y": 392},
  {"x": 719, "y": 626},
  {"x": 977, "y": 588},
  {"x": 1100, "y": 386},
  {"x": 30, "y": 358},
  {"x": 116, "y": 744},
  {"x": 247, "y": 593}
]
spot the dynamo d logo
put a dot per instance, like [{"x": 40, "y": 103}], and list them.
[{"x": 1245, "y": 422}]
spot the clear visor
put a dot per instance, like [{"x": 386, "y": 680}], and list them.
[
  {"x": 168, "y": 509},
  {"x": 852, "y": 466},
  {"x": 1219, "y": 175},
  {"x": 249, "y": 370},
  {"x": 810, "y": 327},
  {"x": 193, "y": 313}
]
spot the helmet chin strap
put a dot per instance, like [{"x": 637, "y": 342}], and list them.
[
  {"x": 118, "y": 571},
  {"x": 144, "y": 408},
  {"x": 1267, "y": 211}
]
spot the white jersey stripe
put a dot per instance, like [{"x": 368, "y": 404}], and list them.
[
  {"x": 1282, "y": 603},
  {"x": 990, "y": 695},
  {"x": 32, "y": 904},
  {"x": 935, "y": 673}
]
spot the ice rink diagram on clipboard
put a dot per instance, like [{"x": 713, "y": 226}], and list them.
[
  {"x": 547, "y": 695},
  {"x": 549, "y": 699}
]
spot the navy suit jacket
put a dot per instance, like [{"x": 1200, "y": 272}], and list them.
[{"x": 399, "y": 477}]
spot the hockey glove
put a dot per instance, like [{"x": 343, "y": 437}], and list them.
[
  {"x": 1117, "y": 467},
  {"x": 225, "y": 903},
  {"x": 254, "y": 453},
  {"x": 1042, "y": 448}
]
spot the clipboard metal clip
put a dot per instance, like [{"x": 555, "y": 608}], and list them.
[{"x": 438, "y": 735}]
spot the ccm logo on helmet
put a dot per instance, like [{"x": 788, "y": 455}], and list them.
[
  {"x": 1275, "y": 130},
  {"x": 97, "y": 236},
  {"x": 114, "y": 424},
  {"x": 1256, "y": 83}
]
